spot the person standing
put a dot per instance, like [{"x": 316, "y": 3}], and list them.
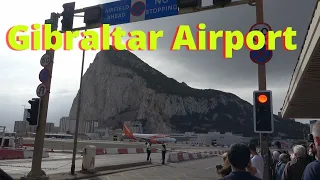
[
  {"x": 312, "y": 171},
  {"x": 239, "y": 158},
  {"x": 163, "y": 152},
  {"x": 277, "y": 152},
  {"x": 257, "y": 159},
  {"x": 148, "y": 150},
  {"x": 284, "y": 159},
  {"x": 294, "y": 169}
]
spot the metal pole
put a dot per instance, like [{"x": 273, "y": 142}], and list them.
[
  {"x": 36, "y": 171},
  {"x": 263, "y": 86},
  {"x": 73, "y": 165}
]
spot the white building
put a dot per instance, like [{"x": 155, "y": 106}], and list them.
[
  {"x": 90, "y": 126},
  {"x": 217, "y": 138},
  {"x": 50, "y": 127},
  {"x": 225, "y": 139},
  {"x": 67, "y": 124},
  {"x": 20, "y": 126},
  {"x": 25, "y": 115}
]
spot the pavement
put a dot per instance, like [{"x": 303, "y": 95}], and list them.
[
  {"x": 190, "y": 170},
  {"x": 20, "y": 168}
]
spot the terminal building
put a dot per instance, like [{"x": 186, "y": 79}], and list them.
[{"x": 211, "y": 138}]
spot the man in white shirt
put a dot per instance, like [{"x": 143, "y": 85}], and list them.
[
  {"x": 256, "y": 160},
  {"x": 148, "y": 148}
]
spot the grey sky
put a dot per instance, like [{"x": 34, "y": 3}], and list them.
[{"x": 203, "y": 69}]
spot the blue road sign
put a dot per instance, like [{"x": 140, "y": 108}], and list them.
[
  {"x": 44, "y": 75},
  {"x": 126, "y": 11},
  {"x": 261, "y": 56}
]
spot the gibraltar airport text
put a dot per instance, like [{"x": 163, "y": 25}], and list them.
[{"x": 40, "y": 38}]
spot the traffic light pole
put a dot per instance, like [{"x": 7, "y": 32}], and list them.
[
  {"x": 36, "y": 171},
  {"x": 263, "y": 86},
  {"x": 75, "y": 139}
]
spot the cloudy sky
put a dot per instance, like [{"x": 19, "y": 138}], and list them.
[{"x": 204, "y": 69}]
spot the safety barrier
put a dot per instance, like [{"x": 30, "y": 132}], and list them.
[
  {"x": 178, "y": 157},
  {"x": 11, "y": 154},
  {"x": 18, "y": 153},
  {"x": 185, "y": 156},
  {"x": 128, "y": 150}
]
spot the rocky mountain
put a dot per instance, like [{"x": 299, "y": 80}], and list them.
[{"x": 118, "y": 86}]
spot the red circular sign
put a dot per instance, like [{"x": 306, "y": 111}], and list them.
[{"x": 138, "y": 8}]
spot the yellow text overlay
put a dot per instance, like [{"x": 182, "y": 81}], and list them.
[{"x": 39, "y": 37}]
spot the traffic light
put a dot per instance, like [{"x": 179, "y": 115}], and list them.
[
  {"x": 92, "y": 15},
  {"x": 221, "y": 3},
  {"x": 67, "y": 16},
  {"x": 33, "y": 111},
  {"x": 189, "y": 3},
  {"x": 263, "y": 112}
]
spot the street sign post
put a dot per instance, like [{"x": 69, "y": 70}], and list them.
[
  {"x": 261, "y": 56},
  {"x": 262, "y": 83},
  {"x": 44, "y": 75},
  {"x": 41, "y": 90},
  {"x": 126, "y": 11},
  {"x": 45, "y": 60}
]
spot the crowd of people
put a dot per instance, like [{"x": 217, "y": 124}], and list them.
[{"x": 243, "y": 162}]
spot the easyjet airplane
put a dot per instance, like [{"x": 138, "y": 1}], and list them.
[{"x": 153, "y": 138}]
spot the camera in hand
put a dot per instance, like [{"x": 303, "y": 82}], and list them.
[
  {"x": 310, "y": 138},
  {"x": 219, "y": 167}
]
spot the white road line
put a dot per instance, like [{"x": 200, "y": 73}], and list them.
[{"x": 209, "y": 167}]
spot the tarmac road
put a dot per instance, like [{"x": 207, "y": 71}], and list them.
[
  {"x": 19, "y": 168},
  {"x": 189, "y": 170}
]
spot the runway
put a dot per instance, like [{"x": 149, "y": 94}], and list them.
[
  {"x": 203, "y": 169},
  {"x": 59, "y": 144}
]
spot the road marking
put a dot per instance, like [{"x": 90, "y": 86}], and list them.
[
  {"x": 172, "y": 176},
  {"x": 124, "y": 176},
  {"x": 140, "y": 175},
  {"x": 210, "y": 167}
]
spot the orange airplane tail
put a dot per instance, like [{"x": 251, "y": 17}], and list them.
[{"x": 126, "y": 130}]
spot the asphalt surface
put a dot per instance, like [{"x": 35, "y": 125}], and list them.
[
  {"x": 203, "y": 169},
  {"x": 19, "y": 168}
]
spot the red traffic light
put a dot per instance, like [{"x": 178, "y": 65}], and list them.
[{"x": 262, "y": 98}]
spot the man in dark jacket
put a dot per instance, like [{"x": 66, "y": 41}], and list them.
[
  {"x": 163, "y": 152},
  {"x": 284, "y": 159},
  {"x": 239, "y": 158},
  {"x": 295, "y": 168}
]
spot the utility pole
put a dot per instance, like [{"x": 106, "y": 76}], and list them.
[
  {"x": 75, "y": 140},
  {"x": 36, "y": 171},
  {"x": 263, "y": 86}
]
